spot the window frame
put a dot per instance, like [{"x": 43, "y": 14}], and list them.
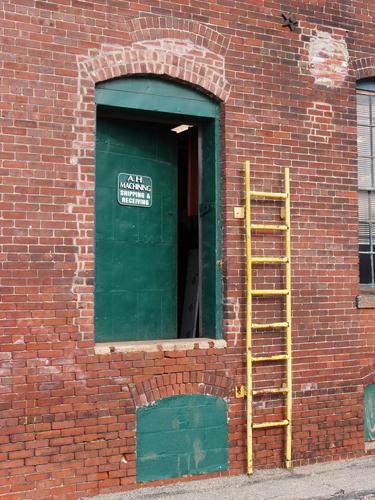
[{"x": 367, "y": 87}]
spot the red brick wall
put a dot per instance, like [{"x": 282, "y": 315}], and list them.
[{"x": 67, "y": 414}]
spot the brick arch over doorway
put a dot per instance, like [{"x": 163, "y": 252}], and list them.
[{"x": 185, "y": 51}]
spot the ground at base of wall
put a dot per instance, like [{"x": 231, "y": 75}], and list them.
[{"x": 344, "y": 480}]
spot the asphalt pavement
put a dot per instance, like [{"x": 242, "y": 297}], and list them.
[{"x": 341, "y": 480}]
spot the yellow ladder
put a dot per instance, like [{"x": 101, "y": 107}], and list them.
[{"x": 286, "y": 390}]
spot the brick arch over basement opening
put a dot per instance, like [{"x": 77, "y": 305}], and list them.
[
  {"x": 162, "y": 386},
  {"x": 185, "y": 51}
]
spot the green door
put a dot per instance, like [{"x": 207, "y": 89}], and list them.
[
  {"x": 135, "y": 240},
  {"x": 209, "y": 212},
  {"x": 370, "y": 412}
]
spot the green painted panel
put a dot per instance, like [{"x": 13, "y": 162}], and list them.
[
  {"x": 181, "y": 435},
  {"x": 135, "y": 247},
  {"x": 370, "y": 412},
  {"x": 154, "y": 94},
  {"x": 210, "y": 217}
]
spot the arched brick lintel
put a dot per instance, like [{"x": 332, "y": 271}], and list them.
[
  {"x": 138, "y": 61},
  {"x": 364, "y": 67},
  {"x": 164, "y": 386}
]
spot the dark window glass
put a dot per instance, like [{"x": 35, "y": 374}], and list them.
[{"x": 365, "y": 269}]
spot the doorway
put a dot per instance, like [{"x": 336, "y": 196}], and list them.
[{"x": 157, "y": 231}]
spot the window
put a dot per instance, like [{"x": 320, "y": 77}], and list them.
[{"x": 366, "y": 179}]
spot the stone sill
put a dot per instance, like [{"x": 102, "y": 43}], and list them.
[
  {"x": 365, "y": 300},
  {"x": 159, "y": 345}
]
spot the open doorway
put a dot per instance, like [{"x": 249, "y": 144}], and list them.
[
  {"x": 188, "y": 234},
  {"x": 147, "y": 238}
]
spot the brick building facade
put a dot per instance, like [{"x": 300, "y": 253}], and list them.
[{"x": 71, "y": 408}]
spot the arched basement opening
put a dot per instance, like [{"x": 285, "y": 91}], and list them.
[
  {"x": 181, "y": 435},
  {"x": 157, "y": 212}
]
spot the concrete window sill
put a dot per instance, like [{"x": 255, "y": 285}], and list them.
[
  {"x": 365, "y": 300},
  {"x": 159, "y": 345}
]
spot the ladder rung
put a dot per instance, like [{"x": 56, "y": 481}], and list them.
[
  {"x": 276, "y": 390},
  {"x": 269, "y": 292},
  {"x": 269, "y": 259},
  {"x": 270, "y": 227},
  {"x": 268, "y": 195},
  {"x": 275, "y": 357},
  {"x": 262, "y": 425},
  {"x": 283, "y": 324}
]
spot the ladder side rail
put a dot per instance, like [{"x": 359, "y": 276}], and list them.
[
  {"x": 288, "y": 311},
  {"x": 249, "y": 368}
]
